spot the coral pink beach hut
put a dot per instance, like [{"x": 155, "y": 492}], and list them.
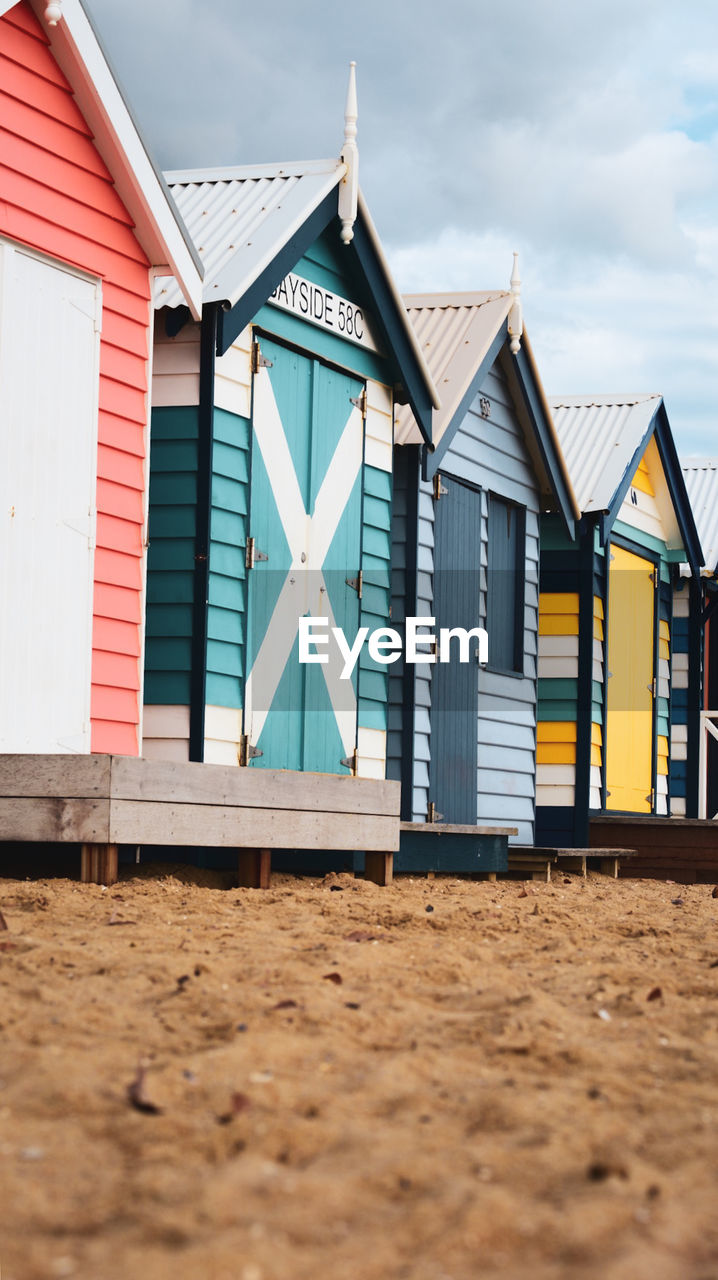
[{"x": 85, "y": 224}]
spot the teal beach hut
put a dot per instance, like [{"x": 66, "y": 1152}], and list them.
[{"x": 271, "y": 472}]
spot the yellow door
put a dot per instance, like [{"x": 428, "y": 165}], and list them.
[{"x": 629, "y": 744}]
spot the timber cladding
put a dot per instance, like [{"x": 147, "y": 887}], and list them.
[
  {"x": 121, "y": 800},
  {"x": 681, "y": 849}
]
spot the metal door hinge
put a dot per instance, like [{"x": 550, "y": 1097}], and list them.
[
  {"x": 431, "y": 813},
  {"x": 652, "y": 688},
  {"x": 360, "y": 402},
  {"x": 651, "y": 799},
  {"x": 246, "y": 752},
  {"x": 252, "y": 556},
  {"x": 356, "y": 584},
  {"x": 351, "y": 762},
  {"x": 655, "y": 575},
  {"x": 439, "y": 490},
  {"x": 258, "y": 360}
]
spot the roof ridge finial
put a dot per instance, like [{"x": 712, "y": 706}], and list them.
[
  {"x": 516, "y": 321},
  {"x": 53, "y": 13},
  {"x": 349, "y": 186}
]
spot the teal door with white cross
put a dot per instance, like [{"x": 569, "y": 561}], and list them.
[{"x": 303, "y": 556}]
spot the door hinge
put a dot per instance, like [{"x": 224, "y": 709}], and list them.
[
  {"x": 258, "y": 360},
  {"x": 654, "y": 575},
  {"x": 360, "y": 402},
  {"x": 351, "y": 762},
  {"x": 431, "y": 813},
  {"x": 252, "y": 556},
  {"x": 652, "y": 688},
  {"x": 439, "y": 490},
  {"x": 245, "y": 751},
  {"x": 651, "y": 798},
  {"x": 356, "y": 584}
]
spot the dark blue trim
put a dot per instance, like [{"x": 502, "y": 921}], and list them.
[
  {"x": 232, "y": 322},
  {"x": 584, "y": 712},
  {"x": 175, "y": 319},
  {"x": 660, "y": 426},
  {"x": 392, "y": 326},
  {"x": 545, "y": 439},
  {"x": 203, "y": 514},
  {"x": 406, "y": 461},
  {"x": 433, "y": 462}
]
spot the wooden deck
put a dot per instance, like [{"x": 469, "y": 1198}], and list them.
[
  {"x": 100, "y": 802},
  {"x": 452, "y": 848},
  {"x": 530, "y": 860},
  {"x": 680, "y": 849}
]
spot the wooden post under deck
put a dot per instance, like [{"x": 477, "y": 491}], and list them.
[
  {"x": 379, "y": 868},
  {"x": 255, "y": 868},
  {"x": 98, "y": 863}
]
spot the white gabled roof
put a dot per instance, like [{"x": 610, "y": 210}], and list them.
[
  {"x": 701, "y": 477},
  {"x": 454, "y": 331},
  {"x": 599, "y": 436},
  {"x": 77, "y": 49},
  {"x": 239, "y": 217}
]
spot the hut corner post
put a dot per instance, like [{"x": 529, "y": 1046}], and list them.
[
  {"x": 585, "y": 669},
  {"x": 695, "y": 688},
  {"x": 203, "y": 515}
]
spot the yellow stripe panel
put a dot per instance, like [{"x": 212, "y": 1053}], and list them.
[
  {"x": 596, "y": 735},
  {"x": 664, "y": 630},
  {"x": 598, "y": 607},
  {"x": 558, "y": 602},
  {"x": 557, "y": 624},
  {"x": 642, "y": 479},
  {"x": 596, "y": 756},
  {"x": 555, "y": 731},
  {"x": 663, "y": 649},
  {"x": 556, "y": 753},
  {"x": 597, "y": 629},
  {"x": 662, "y": 750}
]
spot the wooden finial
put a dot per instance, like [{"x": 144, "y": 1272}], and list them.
[
  {"x": 349, "y": 187},
  {"x": 53, "y": 13},
  {"x": 516, "y": 323}
]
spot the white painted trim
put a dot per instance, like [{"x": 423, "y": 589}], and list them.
[{"x": 77, "y": 51}]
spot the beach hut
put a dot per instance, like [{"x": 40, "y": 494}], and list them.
[
  {"x": 271, "y": 484},
  {"x": 606, "y": 619},
  {"x": 466, "y": 554},
  {"x": 694, "y": 749},
  {"x": 85, "y": 226}
]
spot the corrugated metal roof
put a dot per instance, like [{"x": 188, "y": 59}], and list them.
[
  {"x": 454, "y": 332},
  {"x": 239, "y": 217},
  {"x": 701, "y": 477},
  {"x": 599, "y": 436}
]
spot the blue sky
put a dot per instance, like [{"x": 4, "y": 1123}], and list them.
[{"x": 585, "y": 136}]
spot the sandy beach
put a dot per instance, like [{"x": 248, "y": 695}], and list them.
[{"x": 441, "y": 1080}]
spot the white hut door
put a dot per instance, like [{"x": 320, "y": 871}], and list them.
[{"x": 49, "y": 361}]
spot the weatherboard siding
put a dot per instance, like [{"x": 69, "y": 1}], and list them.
[{"x": 59, "y": 199}]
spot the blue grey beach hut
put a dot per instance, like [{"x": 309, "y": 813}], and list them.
[{"x": 466, "y": 552}]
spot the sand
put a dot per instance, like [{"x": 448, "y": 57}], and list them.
[{"x": 441, "y": 1080}]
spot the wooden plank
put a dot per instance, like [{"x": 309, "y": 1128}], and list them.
[
  {"x": 71, "y": 821},
  {"x": 379, "y": 868},
  {"x": 456, "y": 829},
  {"x": 221, "y": 826},
  {"x": 99, "y": 863},
  {"x": 212, "y": 784},
  {"x": 68, "y": 776},
  {"x": 255, "y": 868}
]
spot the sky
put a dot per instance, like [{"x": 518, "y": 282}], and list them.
[{"x": 585, "y": 136}]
